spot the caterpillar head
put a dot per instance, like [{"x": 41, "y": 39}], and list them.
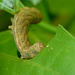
[{"x": 38, "y": 46}]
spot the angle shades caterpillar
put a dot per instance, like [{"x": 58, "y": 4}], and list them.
[{"x": 19, "y": 28}]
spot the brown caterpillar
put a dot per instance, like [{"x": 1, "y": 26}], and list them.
[{"x": 19, "y": 28}]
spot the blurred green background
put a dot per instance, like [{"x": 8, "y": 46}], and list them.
[{"x": 54, "y": 12}]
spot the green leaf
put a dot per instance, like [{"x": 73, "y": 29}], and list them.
[{"x": 57, "y": 58}]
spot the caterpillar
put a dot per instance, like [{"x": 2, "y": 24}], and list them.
[{"x": 19, "y": 28}]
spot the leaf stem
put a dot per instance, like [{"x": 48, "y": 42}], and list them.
[
  {"x": 7, "y": 9},
  {"x": 21, "y": 5},
  {"x": 47, "y": 26}
]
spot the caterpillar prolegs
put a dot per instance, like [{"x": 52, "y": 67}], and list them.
[{"x": 19, "y": 28}]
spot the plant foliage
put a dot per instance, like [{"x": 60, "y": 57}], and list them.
[{"x": 57, "y": 58}]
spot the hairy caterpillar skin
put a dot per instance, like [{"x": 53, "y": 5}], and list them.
[{"x": 19, "y": 28}]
